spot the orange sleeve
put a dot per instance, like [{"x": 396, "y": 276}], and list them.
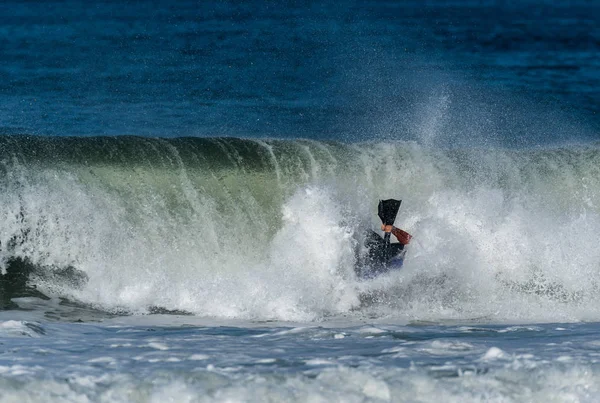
[{"x": 403, "y": 236}]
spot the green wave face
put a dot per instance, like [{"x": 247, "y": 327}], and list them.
[{"x": 230, "y": 227}]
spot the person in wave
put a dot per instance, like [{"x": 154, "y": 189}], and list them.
[
  {"x": 402, "y": 236},
  {"x": 382, "y": 254}
]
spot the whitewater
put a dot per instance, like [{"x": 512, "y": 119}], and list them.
[
  {"x": 269, "y": 230},
  {"x": 224, "y": 269}
]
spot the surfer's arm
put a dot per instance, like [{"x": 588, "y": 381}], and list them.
[{"x": 402, "y": 236}]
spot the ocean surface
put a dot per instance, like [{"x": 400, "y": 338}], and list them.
[{"x": 185, "y": 187}]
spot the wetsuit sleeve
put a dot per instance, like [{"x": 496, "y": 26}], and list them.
[{"x": 403, "y": 236}]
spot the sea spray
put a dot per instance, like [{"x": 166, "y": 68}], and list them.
[{"x": 271, "y": 229}]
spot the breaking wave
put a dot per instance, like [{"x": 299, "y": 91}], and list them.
[{"x": 268, "y": 229}]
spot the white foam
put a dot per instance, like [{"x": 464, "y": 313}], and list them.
[
  {"x": 109, "y": 360},
  {"x": 339, "y": 383},
  {"x": 451, "y": 345},
  {"x": 318, "y": 361},
  {"x": 266, "y": 361},
  {"x": 520, "y": 328},
  {"x": 198, "y": 357},
  {"x": 393, "y": 350},
  {"x": 117, "y": 345},
  {"x": 493, "y": 353},
  {"x": 14, "y": 328},
  {"x": 294, "y": 330},
  {"x": 158, "y": 346},
  {"x": 370, "y": 330}
]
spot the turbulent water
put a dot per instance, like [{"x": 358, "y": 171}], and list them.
[
  {"x": 269, "y": 229},
  {"x": 215, "y": 254}
]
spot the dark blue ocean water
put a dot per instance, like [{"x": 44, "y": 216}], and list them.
[{"x": 513, "y": 73}]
